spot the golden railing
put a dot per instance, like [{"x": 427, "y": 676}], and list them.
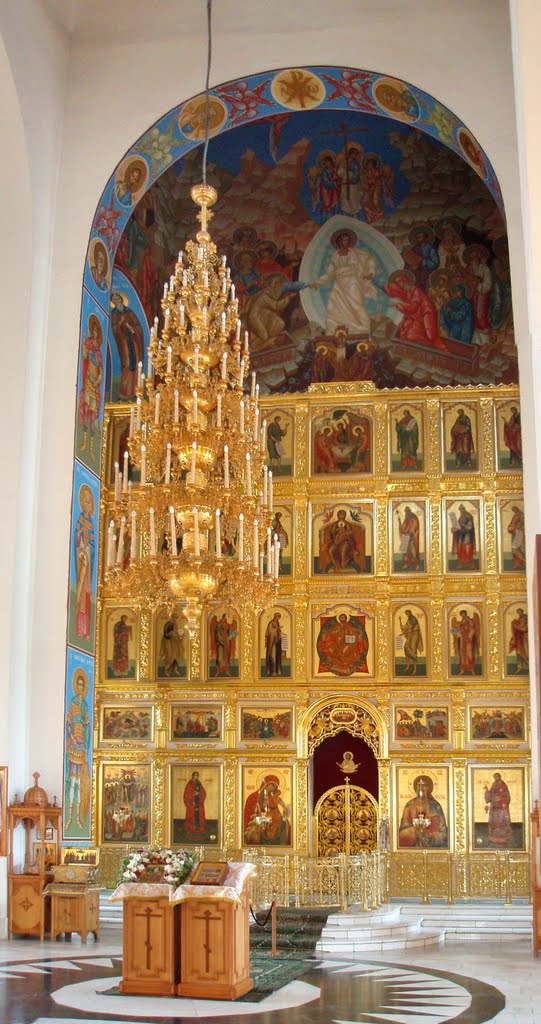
[{"x": 369, "y": 879}]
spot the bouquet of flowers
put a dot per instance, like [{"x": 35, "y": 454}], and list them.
[{"x": 170, "y": 866}]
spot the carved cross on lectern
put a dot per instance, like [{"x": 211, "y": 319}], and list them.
[
  {"x": 207, "y": 918},
  {"x": 148, "y": 945}
]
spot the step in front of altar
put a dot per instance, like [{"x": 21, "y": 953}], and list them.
[
  {"x": 474, "y": 922},
  {"x": 372, "y": 931}
]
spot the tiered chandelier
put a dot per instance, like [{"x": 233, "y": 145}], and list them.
[{"x": 198, "y": 439}]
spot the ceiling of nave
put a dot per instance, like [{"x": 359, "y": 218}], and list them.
[{"x": 128, "y": 21}]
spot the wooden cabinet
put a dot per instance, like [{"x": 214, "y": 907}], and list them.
[
  {"x": 150, "y": 962},
  {"x": 74, "y": 909},
  {"x": 215, "y": 948},
  {"x": 27, "y": 913}
]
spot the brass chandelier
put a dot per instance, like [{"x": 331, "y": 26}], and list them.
[{"x": 198, "y": 438}]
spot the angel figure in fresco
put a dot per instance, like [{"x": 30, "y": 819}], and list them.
[
  {"x": 466, "y": 634},
  {"x": 325, "y": 185},
  {"x": 92, "y": 374},
  {"x": 223, "y": 636},
  {"x": 377, "y": 187},
  {"x": 342, "y": 544},
  {"x": 128, "y": 334},
  {"x": 342, "y": 644},
  {"x": 518, "y": 644},
  {"x": 85, "y": 545},
  {"x": 512, "y": 435}
]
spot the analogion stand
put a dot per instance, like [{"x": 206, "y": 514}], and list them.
[
  {"x": 27, "y": 912},
  {"x": 151, "y": 926},
  {"x": 215, "y": 946}
]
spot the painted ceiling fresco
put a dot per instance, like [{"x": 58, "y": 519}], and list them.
[{"x": 361, "y": 249}]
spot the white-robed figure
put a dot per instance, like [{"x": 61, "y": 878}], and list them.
[{"x": 352, "y": 270}]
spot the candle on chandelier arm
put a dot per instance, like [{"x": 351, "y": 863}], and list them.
[
  {"x": 224, "y": 366},
  {"x": 219, "y": 409},
  {"x": 132, "y": 420},
  {"x": 224, "y": 261},
  {"x": 149, "y": 364},
  {"x": 265, "y": 484},
  {"x": 167, "y": 316},
  {"x": 181, "y": 256},
  {"x": 248, "y": 475},
  {"x": 194, "y": 406},
  {"x": 261, "y": 558},
  {"x": 181, "y": 314},
  {"x": 175, "y": 414},
  {"x": 246, "y": 346},
  {"x": 252, "y": 393},
  {"x": 120, "y": 549},
  {"x": 138, "y": 415},
  {"x": 269, "y": 550},
  {"x": 165, "y": 290},
  {"x": 256, "y": 421},
  {"x": 255, "y": 544},
  {"x": 196, "y": 359},
  {"x": 222, "y": 320},
  {"x": 156, "y": 323},
  {"x": 117, "y": 482},
  {"x": 139, "y": 372},
  {"x": 233, "y": 294},
  {"x": 133, "y": 534},
  {"x": 110, "y": 545},
  {"x": 173, "y": 530},
  {"x": 169, "y": 358},
  {"x": 271, "y": 494},
  {"x": 276, "y": 557},
  {"x": 237, "y": 336},
  {"x": 241, "y": 372},
  {"x": 168, "y": 463},
  {"x": 241, "y": 538},
  {"x": 206, "y": 278},
  {"x": 217, "y": 534},
  {"x": 157, "y": 408},
  {"x": 192, "y": 467},
  {"x": 224, "y": 286},
  {"x": 184, "y": 278},
  {"x": 152, "y": 531},
  {"x": 226, "y": 466},
  {"x": 196, "y": 547},
  {"x": 171, "y": 282},
  {"x": 263, "y": 436},
  {"x": 204, "y": 313},
  {"x": 143, "y": 463},
  {"x": 241, "y": 416},
  {"x": 125, "y": 474}
]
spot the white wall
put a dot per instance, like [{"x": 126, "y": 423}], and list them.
[{"x": 458, "y": 52}]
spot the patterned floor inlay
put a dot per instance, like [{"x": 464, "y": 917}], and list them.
[{"x": 334, "y": 992}]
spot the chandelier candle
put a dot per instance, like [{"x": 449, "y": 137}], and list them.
[{"x": 197, "y": 439}]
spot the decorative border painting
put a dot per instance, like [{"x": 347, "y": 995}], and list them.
[{"x": 195, "y": 804}]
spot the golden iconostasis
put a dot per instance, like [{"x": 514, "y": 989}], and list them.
[{"x": 400, "y": 516}]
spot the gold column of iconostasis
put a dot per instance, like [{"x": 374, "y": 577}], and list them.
[{"x": 401, "y": 521}]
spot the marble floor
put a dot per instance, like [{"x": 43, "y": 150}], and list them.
[{"x": 462, "y": 982}]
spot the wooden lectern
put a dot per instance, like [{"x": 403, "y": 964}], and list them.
[
  {"x": 150, "y": 959},
  {"x": 215, "y": 948}
]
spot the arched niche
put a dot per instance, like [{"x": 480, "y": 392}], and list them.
[{"x": 272, "y": 97}]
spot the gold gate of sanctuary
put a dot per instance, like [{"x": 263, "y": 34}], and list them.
[{"x": 345, "y": 821}]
